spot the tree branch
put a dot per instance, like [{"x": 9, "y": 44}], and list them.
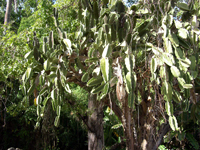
[
  {"x": 162, "y": 132},
  {"x": 84, "y": 118},
  {"x": 116, "y": 145},
  {"x": 116, "y": 109}
]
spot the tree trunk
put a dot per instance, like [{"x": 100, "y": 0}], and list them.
[
  {"x": 15, "y": 2},
  {"x": 140, "y": 130},
  {"x": 127, "y": 122},
  {"x": 95, "y": 123},
  {"x": 48, "y": 131},
  {"x": 8, "y": 12}
]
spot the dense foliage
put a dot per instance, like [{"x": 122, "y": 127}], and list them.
[{"x": 139, "y": 63}]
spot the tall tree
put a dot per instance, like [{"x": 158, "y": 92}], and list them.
[
  {"x": 8, "y": 12},
  {"x": 7, "y": 18}
]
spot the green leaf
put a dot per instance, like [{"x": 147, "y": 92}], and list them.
[
  {"x": 165, "y": 31},
  {"x": 173, "y": 38},
  {"x": 29, "y": 72},
  {"x": 128, "y": 82},
  {"x": 153, "y": 76},
  {"x": 38, "y": 100},
  {"x": 28, "y": 55},
  {"x": 96, "y": 72},
  {"x": 162, "y": 147},
  {"x": 130, "y": 62},
  {"x": 168, "y": 90},
  {"x": 168, "y": 59},
  {"x": 38, "y": 110},
  {"x": 90, "y": 60},
  {"x": 171, "y": 123},
  {"x": 95, "y": 81},
  {"x": 163, "y": 72},
  {"x": 58, "y": 110},
  {"x": 181, "y": 136},
  {"x": 194, "y": 74},
  {"x": 98, "y": 89},
  {"x": 153, "y": 65},
  {"x": 63, "y": 80},
  {"x": 195, "y": 22},
  {"x": 67, "y": 89},
  {"x": 192, "y": 141},
  {"x": 51, "y": 40},
  {"x": 91, "y": 68},
  {"x": 105, "y": 69},
  {"x": 31, "y": 89},
  {"x": 164, "y": 21},
  {"x": 44, "y": 48},
  {"x": 175, "y": 123},
  {"x": 178, "y": 53},
  {"x": 67, "y": 43},
  {"x": 168, "y": 109},
  {"x": 85, "y": 77},
  {"x": 117, "y": 126},
  {"x": 193, "y": 63},
  {"x": 52, "y": 75},
  {"x": 106, "y": 88},
  {"x": 55, "y": 61},
  {"x": 53, "y": 94},
  {"x": 187, "y": 86},
  {"x": 177, "y": 96},
  {"x": 47, "y": 65},
  {"x": 106, "y": 28},
  {"x": 178, "y": 24},
  {"x": 53, "y": 68},
  {"x": 41, "y": 80},
  {"x": 167, "y": 45},
  {"x": 95, "y": 10},
  {"x": 43, "y": 90},
  {"x": 170, "y": 20},
  {"x": 113, "y": 81},
  {"x": 143, "y": 25},
  {"x": 184, "y": 64},
  {"x": 113, "y": 16},
  {"x": 35, "y": 53},
  {"x": 24, "y": 90},
  {"x": 183, "y": 33},
  {"x": 57, "y": 120},
  {"x": 175, "y": 71},
  {"x": 181, "y": 81},
  {"x": 105, "y": 91},
  {"x": 107, "y": 51},
  {"x": 183, "y": 6},
  {"x": 113, "y": 32}
]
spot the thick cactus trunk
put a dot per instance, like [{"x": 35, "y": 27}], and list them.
[{"x": 95, "y": 123}]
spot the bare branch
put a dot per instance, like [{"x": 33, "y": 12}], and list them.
[
  {"x": 116, "y": 145},
  {"x": 116, "y": 109}
]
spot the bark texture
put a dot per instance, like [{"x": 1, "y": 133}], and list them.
[
  {"x": 95, "y": 123},
  {"x": 140, "y": 126},
  {"x": 128, "y": 125},
  {"x": 48, "y": 131},
  {"x": 8, "y": 12}
]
